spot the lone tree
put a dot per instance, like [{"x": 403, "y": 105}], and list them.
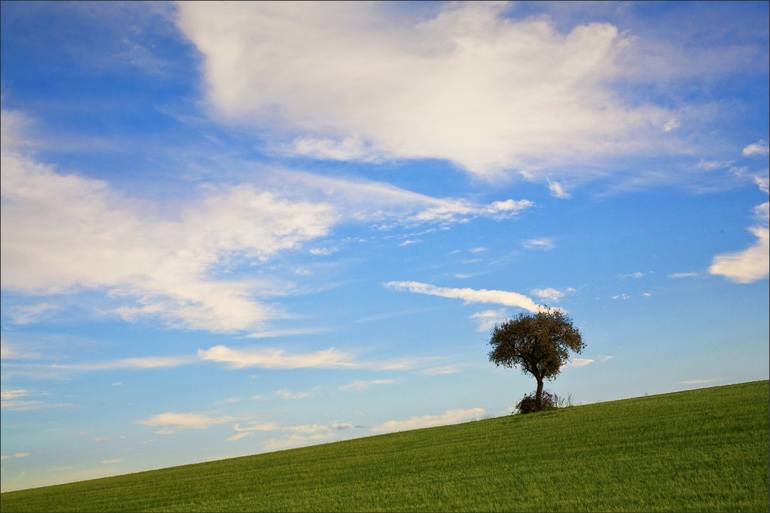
[{"x": 539, "y": 343}]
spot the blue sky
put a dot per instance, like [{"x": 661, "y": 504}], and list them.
[{"x": 236, "y": 228}]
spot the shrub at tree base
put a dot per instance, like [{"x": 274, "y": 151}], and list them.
[{"x": 549, "y": 401}]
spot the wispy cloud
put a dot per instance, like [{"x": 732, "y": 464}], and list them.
[
  {"x": 552, "y": 294},
  {"x": 292, "y": 395},
  {"x": 288, "y": 332},
  {"x": 557, "y": 190},
  {"x": 441, "y": 370},
  {"x": 699, "y": 381},
  {"x": 27, "y": 314},
  {"x": 637, "y": 275},
  {"x": 272, "y": 358},
  {"x": 487, "y": 319},
  {"x": 758, "y": 148},
  {"x": 363, "y": 384},
  {"x": 171, "y": 422},
  {"x": 112, "y": 461},
  {"x": 686, "y": 274},
  {"x": 544, "y": 243},
  {"x": 19, "y": 399},
  {"x": 423, "y": 421},
  {"x": 500, "y": 297},
  {"x": 15, "y": 455}
]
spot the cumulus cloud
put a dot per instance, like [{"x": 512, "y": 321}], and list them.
[
  {"x": 171, "y": 422},
  {"x": 456, "y": 84},
  {"x": 448, "y": 417},
  {"x": 362, "y": 384},
  {"x": 752, "y": 263},
  {"x": 543, "y": 243},
  {"x": 500, "y": 297},
  {"x": 758, "y": 148},
  {"x": 748, "y": 265}
]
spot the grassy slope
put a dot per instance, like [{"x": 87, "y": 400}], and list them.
[{"x": 702, "y": 450}]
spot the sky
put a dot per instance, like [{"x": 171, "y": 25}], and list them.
[{"x": 243, "y": 227}]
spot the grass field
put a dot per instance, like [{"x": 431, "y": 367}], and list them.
[{"x": 701, "y": 450}]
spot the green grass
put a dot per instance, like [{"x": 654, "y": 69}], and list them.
[{"x": 701, "y": 450}]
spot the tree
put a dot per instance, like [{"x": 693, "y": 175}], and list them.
[{"x": 539, "y": 343}]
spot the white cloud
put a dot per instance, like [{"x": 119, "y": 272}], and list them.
[
  {"x": 272, "y": 358},
  {"x": 323, "y": 251},
  {"x": 762, "y": 182},
  {"x": 753, "y": 263},
  {"x": 342, "y": 425},
  {"x": 623, "y": 296},
  {"x": 748, "y": 265},
  {"x": 15, "y": 455},
  {"x": 500, "y": 297},
  {"x": 557, "y": 190},
  {"x": 580, "y": 362},
  {"x": 699, "y": 381},
  {"x": 448, "y": 417},
  {"x": 476, "y": 250},
  {"x": 27, "y": 314},
  {"x": 687, "y": 274},
  {"x": 349, "y": 148},
  {"x": 551, "y": 293},
  {"x": 170, "y": 422},
  {"x": 409, "y": 242},
  {"x": 112, "y": 461},
  {"x": 286, "y": 332},
  {"x": 758, "y": 148},
  {"x": 710, "y": 165},
  {"x": 360, "y": 384},
  {"x": 487, "y": 319},
  {"x": 291, "y": 395},
  {"x": 441, "y": 370},
  {"x": 242, "y": 432},
  {"x": 638, "y": 275},
  {"x": 456, "y": 84},
  {"x": 64, "y": 233},
  {"x": 647, "y": 294},
  {"x": 363, "y": 200},
  {"x": 671, "y": 125},
  {"x": 544, "y": 243},
  {"x": 18, "y": 400},
  {"x": 145, "y": 362},
  {"x": 7, "y": 395}
]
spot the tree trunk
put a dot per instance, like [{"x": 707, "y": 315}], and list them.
[{"x": 539, "y": 395}]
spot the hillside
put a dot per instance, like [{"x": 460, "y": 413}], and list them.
[{"x": 701, "y": 450}]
